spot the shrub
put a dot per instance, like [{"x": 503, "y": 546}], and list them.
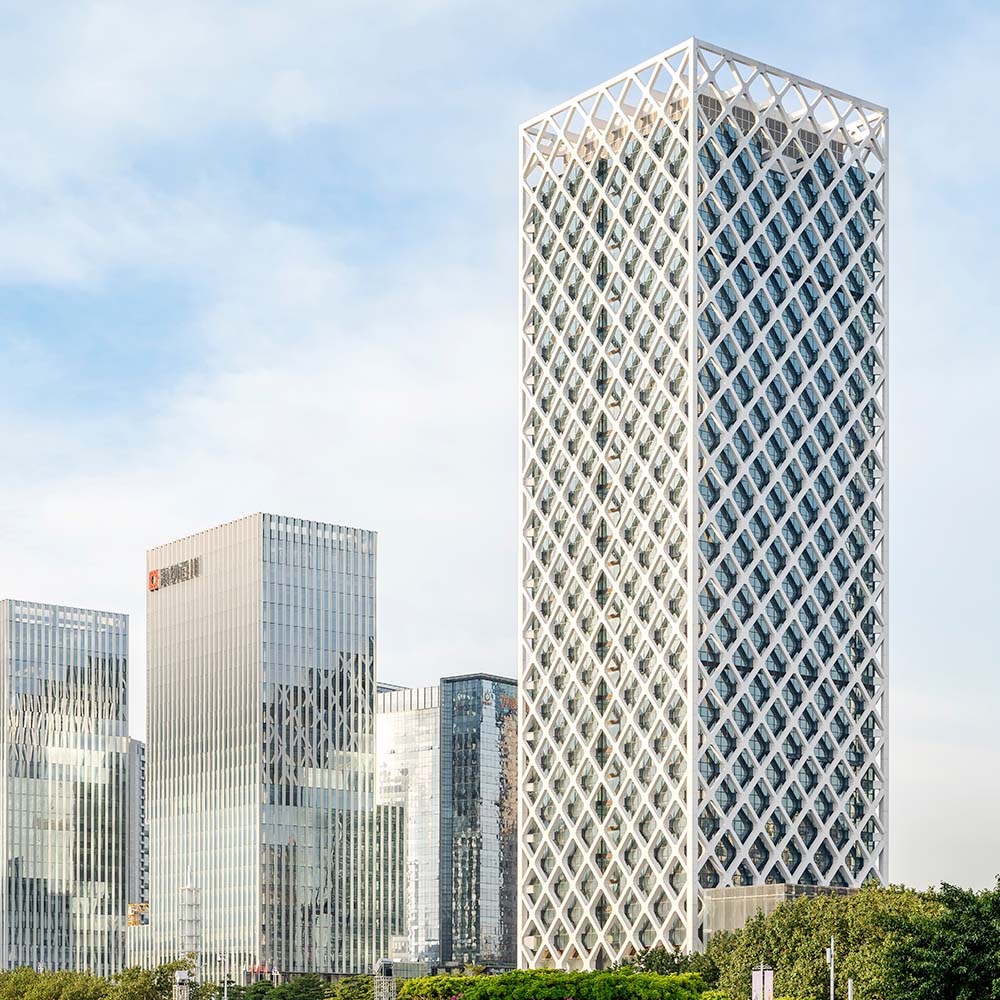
[{"x": 550, "y": 984}]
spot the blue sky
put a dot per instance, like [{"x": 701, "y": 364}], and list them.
[{"x": 260, "y": 256}]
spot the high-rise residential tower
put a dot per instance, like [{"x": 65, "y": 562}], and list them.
[
  {"x": 64, "y": 793},
  {"x": 703, "y": 337},
  {"x": 260, "y": 753},
  {"x": 447, "y": 760}
]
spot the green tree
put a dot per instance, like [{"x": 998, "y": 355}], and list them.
[
  {"x": 26, "y": 984},
  {"x": 661, "y": 960},
  {"x": 259, "y": 990},
  {"x": 147, "y": 984},
  {"x": 793, "y": 941},
  {"x": 552, "y": 984},
  {"x": 301, "y": 988},
  {"x": 953, "y": 949},
  {"x": 672, "y": 961},
  {"x": 352, "y": 988}
]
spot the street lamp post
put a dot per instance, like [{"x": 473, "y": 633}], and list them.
[{"x": 830, "y": 956}]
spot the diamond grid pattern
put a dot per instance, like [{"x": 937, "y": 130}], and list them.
[
  {"x": 790, "y": 279},
  {"x": 728, "y": 730}
]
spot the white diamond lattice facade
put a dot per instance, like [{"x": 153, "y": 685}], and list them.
[{"x": 703, "y": 455}]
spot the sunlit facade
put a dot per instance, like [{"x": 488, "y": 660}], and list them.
[
  {"x": 408, "y": 741},
  {"x": 447, "y": 758},
  {"x": 64, "y": 798},
  {"x": 703, "y": 460},
  {"x": 261, "y": 653}
]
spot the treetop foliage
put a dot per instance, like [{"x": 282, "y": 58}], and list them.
[
  {"x": 552, "y": 984},
  {"x": 895, "y": 944}
]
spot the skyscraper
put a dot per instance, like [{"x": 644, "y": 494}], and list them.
[
  {"x": 408, "y": 774},
  {"x": 260, "y": 755},
  {"x": 703, "y": 669},
  {"x": 447, "y": 759},
  {"x": 479, "y": 820},
  {"x": 63, "y": 800}
]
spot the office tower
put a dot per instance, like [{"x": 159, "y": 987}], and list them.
[
  {"x": 703, "y": 667},
  {"x": 64, "y": 796},
  {"x": 447, "y": 757},
  {"x": 260, "y": 754},
  {"x": 479, "y": 821},
  {"x": 408, "y": 762}
]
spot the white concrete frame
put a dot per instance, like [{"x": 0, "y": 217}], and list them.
[{"x": 662, "y": 695}]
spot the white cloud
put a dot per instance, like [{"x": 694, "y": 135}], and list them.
[{"x": 318, "y": 403}]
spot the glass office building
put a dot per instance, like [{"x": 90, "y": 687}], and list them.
[
  {"x": 260, "y": 754},
  {"x": 408, "y": 741},
  {"x": 479, "y": 820},
  {"x": 64, "y": 798},
  {"x": 447, "y": 757},
  {"x": 703, "y": 466}
]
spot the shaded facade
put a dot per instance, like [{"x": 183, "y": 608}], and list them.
[
  {"x": 703, "y": 465},
  {"x": 137, "y": 923},
  {"x": 64, "y": 803},
  {"x": 479, "y": 821},
  {"x": 261, "y": 654},
  {"x": 447, "y": 756},
  {"x": 138, "y": 830}
]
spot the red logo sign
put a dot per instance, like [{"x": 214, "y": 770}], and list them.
[{"x": 167, "y": 576}]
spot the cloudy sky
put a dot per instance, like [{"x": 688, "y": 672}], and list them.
[{"x": 260, "y": 256}]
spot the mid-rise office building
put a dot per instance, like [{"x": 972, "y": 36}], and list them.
[
  {"x": 64, "y": 795},
  {"x": 703, "y": 341},
  {"x": 260, "y": 753},
  {"x": 447, "y": 759}
]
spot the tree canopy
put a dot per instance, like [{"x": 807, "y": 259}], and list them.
[
  {"x": 553, "y": 984},
  {"x": 895, "y": 944}
]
